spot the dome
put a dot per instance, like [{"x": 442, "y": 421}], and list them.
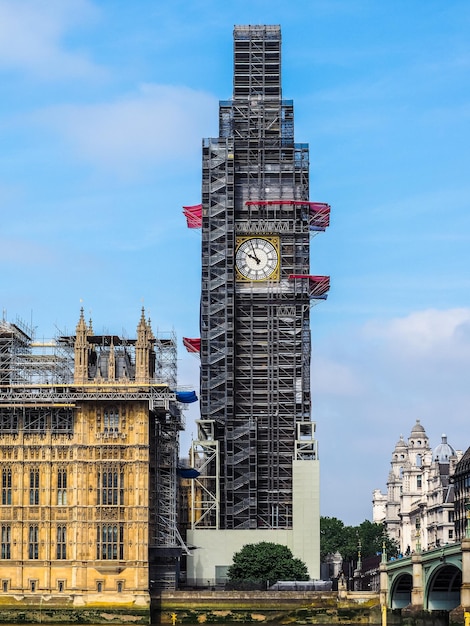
[
  {"x": 443, "y": 451},
  {"x": 418, "y": 435},
  {"x": 401, "y": 443},
  {"x": 400, "y": 453},
  {"x": 418, "y": 430}
]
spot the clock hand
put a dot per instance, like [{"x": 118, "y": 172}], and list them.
[
  {"x": 254, "y": 252},
  {"x": 255, "y": 258}
]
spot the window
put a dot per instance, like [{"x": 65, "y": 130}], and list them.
[
  {"x": 62, "y": 487},
  {"x": 8, "y": 420},
  {"x": 110, "y": 487},
  {"x": 34, "y": 486},
  {"x": 451, "y": 516},
  {"x": 451, "y": 534},
  {"x": 5, "y": 585},
  {"x": 62, "y": 420},
  {"x": 6, "y": 542},
  {"x": 61, "y": 585},
  {"x": 61, "y": 542},
  {"x": 33, "y": 585},
  {"x": 33, "y": 551},
  {"x": 119, "y": 586},
  {"x": 111, "y": 421},
  {"x": 110, "y": 542},
  {"x": 6, "y": 485},
  {"x": 419, "y": 460},
  {"x": 99, "y": 586},
  {"x": 419, "y": 481},
  {"x": 34, "y": 420}
]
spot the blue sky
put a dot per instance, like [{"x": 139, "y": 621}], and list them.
[{"x": 103, "y": 107}]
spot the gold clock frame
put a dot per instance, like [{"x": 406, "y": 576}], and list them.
[{"x": 275, "y": 242}]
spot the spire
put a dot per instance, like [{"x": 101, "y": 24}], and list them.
[
  {"x": 81, "y": 322},
  {"x": 144, "y": 334},
  {"x": 111, "y": 362},
  {"x": 149, "y": 330},
  {"x": 81, "y": 350}
]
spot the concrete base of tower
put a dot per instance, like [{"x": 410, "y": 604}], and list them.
[
  {"x": 306, "y": 514},
  {"x": 214, "y": 549}
]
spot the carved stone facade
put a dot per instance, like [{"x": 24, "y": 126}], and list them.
[
  {"x": 418, "y": 507},
  {"x": 80, "y": 468}
]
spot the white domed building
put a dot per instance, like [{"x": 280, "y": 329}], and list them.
[{"x": 418, "y": 508}]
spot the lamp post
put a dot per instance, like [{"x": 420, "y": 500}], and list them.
[
  {"x": 383, "y": 582},
  {"x": 418, "y": 535}
]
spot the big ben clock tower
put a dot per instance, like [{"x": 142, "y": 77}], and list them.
[{"x": 255, "y": 448}]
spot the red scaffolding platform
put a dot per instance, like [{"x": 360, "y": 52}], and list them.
[
  {"x": 193, "y": 215},
  {"x": 318, "y": 285},
  {"x": 192, "y": 345}
]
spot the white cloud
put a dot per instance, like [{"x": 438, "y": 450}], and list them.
[
  {"x": 424, "y": 334},
  {"x": 32, "y": 33},
  {"x": 157, "y": 124},
  {"x": 388, "y": 374}
]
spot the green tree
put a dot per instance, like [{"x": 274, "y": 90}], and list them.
[
  {"x": 336, "y": 537},
  {"x": 266, "y": 562},
  {"x": 372, "y": 538}
]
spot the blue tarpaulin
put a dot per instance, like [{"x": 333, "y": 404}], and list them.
[
  {"x": 188, "y": 472},
  {"x": 186, "y": 396}
]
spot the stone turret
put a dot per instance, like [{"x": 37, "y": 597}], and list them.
[
  {"x": 143, "y": 348},
  {"x": 81, "y": 351},
  {"x": 111, "y": 362}
]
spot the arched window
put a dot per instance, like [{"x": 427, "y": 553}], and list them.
[
  {"x": 111, "y": 421},
  {"x": 110, "y": 542},
  {"x": 33, "y": 543},
  {"x": 110, "y": 485},
  {"x": 61, "y": 487},
  {"x": 61, "y": 542},
  {"x": 6, "y": 541},
  {"x": 6, "y": 485},
  {"x": 34, "y": 486}
]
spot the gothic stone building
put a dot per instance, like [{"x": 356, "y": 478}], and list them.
[{"x": 88, "y": 457}]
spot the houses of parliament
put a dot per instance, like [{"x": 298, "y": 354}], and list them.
[{"x": 88, "y": 459}]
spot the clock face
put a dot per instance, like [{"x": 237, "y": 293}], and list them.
[{"x": 257, "y": 258}]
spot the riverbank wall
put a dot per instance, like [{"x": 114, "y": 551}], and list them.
[
  {"x": 222, "y": 607},
  {"x": 282, "y": 607},
  {"x": 70, "y": 609}
]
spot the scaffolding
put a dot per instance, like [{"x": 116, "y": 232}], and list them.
[{"x": 255, "y": 336}]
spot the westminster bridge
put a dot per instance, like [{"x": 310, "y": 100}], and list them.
[{"x": 434, "y": 580}]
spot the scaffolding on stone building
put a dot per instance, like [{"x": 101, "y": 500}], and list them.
[
  {"x": 39, "y": 395},
  {"x": 255, "y": 338}
]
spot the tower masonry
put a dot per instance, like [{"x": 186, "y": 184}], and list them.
[{"x": 255, "y": 448}]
